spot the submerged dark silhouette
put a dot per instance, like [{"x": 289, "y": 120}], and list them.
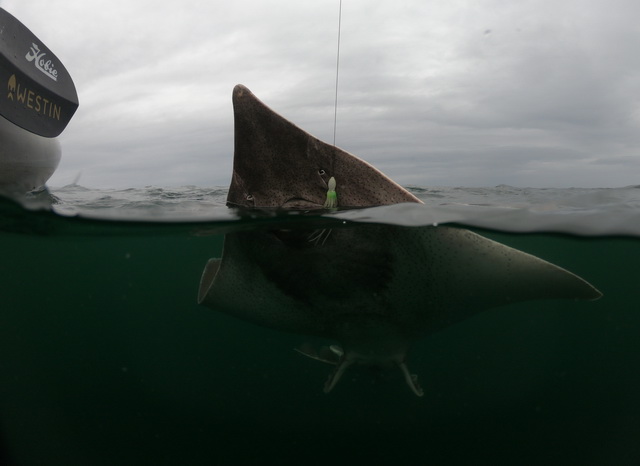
[{"x": 373, "y": 288}]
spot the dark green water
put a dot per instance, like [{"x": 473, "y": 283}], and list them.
[{"x": 105, "y": 358}]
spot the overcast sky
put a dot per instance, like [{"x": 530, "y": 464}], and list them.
[{"x": 540, "y": 93}]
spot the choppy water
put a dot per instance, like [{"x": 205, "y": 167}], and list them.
[
  {"x": 106, "y": 357},
  {"x": 580, "y": 211}
]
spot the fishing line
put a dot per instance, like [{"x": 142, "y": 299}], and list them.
[{"x": 335, "y": 108}]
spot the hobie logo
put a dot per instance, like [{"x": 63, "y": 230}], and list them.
[{"x": 46, "y": 66}]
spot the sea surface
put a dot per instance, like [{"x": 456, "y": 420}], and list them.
[{"x": 107, "y": 358}]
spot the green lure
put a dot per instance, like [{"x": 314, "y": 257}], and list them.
[{"x": 332, "y": 197}]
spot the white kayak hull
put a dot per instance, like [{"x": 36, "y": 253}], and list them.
[{"x": 27, "y": 160}]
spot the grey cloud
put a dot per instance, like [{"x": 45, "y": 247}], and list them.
[{"x": 549, "y": 96}]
